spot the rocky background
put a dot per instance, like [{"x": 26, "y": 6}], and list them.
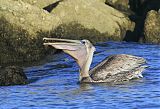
[{"x": 23, "y": 24}]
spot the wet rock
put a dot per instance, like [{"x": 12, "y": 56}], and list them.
[
  {"x": 152, "y": 27},
  {"x": 21, "y": 31},
  {"x": 91, "y": 15},
  {"x": 12, "y": 75},
  {"x": 24, "y": 25}
]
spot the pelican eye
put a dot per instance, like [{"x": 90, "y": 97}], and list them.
[{"x": 83, "y": 41}]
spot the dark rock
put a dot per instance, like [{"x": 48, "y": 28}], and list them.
[
  {"x": 140, "y": 9},
  {"x": 121, "y": 5},
  {"x": 152, "y": 27},
  {"x": 12, "y": 75}
]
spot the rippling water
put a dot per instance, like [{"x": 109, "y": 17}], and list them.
[{"x": 54, "y": 84}]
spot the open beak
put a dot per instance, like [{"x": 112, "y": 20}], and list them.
[
  {"x": 61, "y": 40},
  {"x": 74, "y": 48},
  {"x": 63, "y": 44}
]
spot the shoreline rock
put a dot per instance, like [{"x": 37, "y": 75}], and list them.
[
  {"x": 121, "y": 5},
  {"x": 22, "y": 29},
  {"x": 28, "y": 17},
  {"x": 152, "y": 27},
  {"x": 17, "y": 47},
  {"x": 94, "y": 15},
  {"x": 40, "y": 3},
  {"x": 12, "y": 75},
  {"x": 24, "y": 26}
]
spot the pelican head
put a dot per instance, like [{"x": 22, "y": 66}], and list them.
[{"x": 81, "y": 50}]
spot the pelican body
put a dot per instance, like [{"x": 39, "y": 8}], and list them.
[{"x": 115, "y": 68}]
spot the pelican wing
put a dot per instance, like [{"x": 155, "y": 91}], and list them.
[{"x": 116, "y": 64}]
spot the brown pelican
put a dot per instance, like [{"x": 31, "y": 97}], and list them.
[{"x": 115, "y": 68}]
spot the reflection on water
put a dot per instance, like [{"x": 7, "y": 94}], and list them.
[{"x": 55, "y": 84}]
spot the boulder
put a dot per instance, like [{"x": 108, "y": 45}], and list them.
[
  {"x": 24, "y": 25},
  {"x": 40, "y": 3},
  {"x": 103, "y": 1},
  {"x": 152, "y": 27},
  {"x": 82, "y": 18},
  {"x": 28, "y": 17},
  {"x": 21, "y": 31},
  {"x": 122, "y": 5},
  {"x": 12, "y": 75},
  {"x": 44, "y": 3}
]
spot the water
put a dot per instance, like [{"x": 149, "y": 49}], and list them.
[{"x": 54, "y": 84}]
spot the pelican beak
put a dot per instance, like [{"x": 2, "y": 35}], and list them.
[
  {"x": 60, "y": 40},
  {"x": 64, "y": 44},
  {"x": 74, "y": 48}
]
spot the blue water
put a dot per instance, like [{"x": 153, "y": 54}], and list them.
[{"x": 54, "y": 84}]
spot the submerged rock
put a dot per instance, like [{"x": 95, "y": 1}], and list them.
[
  {"x": 152, "y": 27},
  {"x": 12, "y": 75}
]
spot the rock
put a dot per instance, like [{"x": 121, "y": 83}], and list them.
[
  {"x": 122, "y": 5},
  {"x": 81, "y": 18},
  {"x": 142, "y": 7},
  {"x": 12, "y": 75},
  {"x": 152, "y": 27},
  {"x": 44, "y": 3},
  {"x": 150, "y": 5},
  {"x": 24, "y": 25},
  {"x": 103, "y": 1},
  {"x": 21, "y": 31},
  {"x": 22, "y": 14},
  {"x": 40, "y": 3}
]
